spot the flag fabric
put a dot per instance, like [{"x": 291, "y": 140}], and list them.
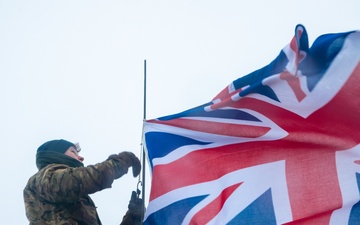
[{"x": 280, "y": 145}]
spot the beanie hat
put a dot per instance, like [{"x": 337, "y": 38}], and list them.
[
  {"x": 53, "y": 152},
  {"x": 59, "y": 146}
]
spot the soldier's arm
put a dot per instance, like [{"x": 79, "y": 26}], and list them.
[{"x": 60, "y": 183}]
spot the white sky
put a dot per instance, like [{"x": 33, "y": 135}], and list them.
[{"x": 73, "y": 69}]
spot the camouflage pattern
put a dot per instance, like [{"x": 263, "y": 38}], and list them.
[{"x": 59, "y": 194}]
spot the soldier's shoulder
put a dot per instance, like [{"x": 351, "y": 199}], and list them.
[
  {"x": 46, "y": 171},
  {"x": 53, "y": 167}
]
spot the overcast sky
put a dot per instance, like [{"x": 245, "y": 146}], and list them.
[{"x": 73, "y": 69}]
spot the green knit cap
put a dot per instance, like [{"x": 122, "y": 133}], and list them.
[{"x": 59, "y": 146}]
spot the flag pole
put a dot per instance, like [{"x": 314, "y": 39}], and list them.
[{"x": 143, "y": 148}]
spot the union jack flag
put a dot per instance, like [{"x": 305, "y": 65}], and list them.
[{"x": 280, "y": 145}]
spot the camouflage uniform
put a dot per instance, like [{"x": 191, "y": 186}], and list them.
[{"x": 58, "y": 194}]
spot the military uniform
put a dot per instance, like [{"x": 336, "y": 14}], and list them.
[{"x": 59, "y": 194}]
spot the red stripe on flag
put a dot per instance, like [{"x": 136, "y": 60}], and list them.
[
  {"x": 227, "y": 129},
  {"x": 294, "y": 83},
  {"x": 209, "y": 211}
]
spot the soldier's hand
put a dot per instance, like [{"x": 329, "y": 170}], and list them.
[
  {"x": 135, "y": 212},
  {"x": 128, "y": 159},
  {"x": 136, "y": 205}
]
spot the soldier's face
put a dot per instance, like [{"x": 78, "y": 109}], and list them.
[{"x": 73, "y": 153}]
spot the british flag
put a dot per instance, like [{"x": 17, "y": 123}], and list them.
[{"x": 280, "y": 145}]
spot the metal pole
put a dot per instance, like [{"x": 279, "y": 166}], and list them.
[
  {"x": 144, "y": 155},
  {"x": 144, "y": 90}
]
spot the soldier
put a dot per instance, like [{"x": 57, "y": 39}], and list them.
[{"x": 59, "y": 192}]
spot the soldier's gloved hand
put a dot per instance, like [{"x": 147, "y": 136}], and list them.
[
  {"x": 124, "y": 160},
  {"x": 136, "y": 206},
  {"x": 136, "y": 210}
]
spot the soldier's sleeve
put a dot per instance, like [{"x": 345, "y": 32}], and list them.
[{"x": 60, "y": 183}]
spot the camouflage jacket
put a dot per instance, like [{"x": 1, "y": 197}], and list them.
[{"x": 59, "y": 194}]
